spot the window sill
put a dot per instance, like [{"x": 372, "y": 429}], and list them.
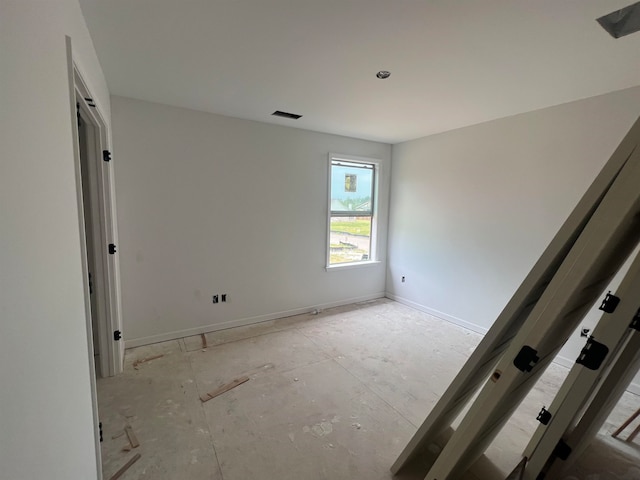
[{"x": 349, "y": 266}]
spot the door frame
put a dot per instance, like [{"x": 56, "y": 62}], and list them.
[{"x": 106, "y": 279}]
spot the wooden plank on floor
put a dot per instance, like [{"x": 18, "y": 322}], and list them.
[
  {"x": 224, "y": 388},
  {"x": 145, "y": 360},
  {"x": 626, "y": 424},
  {"x": 125, "y": 467},
  {"x": 133, "y": 440}
]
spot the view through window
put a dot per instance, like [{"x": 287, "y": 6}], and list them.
[{"x": 351, "y": 217}]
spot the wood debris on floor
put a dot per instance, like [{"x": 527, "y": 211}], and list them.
[
  {"x": 320, "y": 395},
  {"x": 125, "y": 467},
  {"x": 145, "y": 360},
  {"x": 133, "y": 440},
  {"x": 224, "y": 388},
  {"x": 633, "y": 434}
]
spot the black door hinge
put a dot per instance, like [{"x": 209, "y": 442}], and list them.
[
  {"x": 635, "y": 323},
  {"x": 117, "y": 335},
  {"x": 90, "y": 284},
  {"x": 562, "y": 450},
  {"x": 544, "y": 417},
  {"x": 100, "y": 427},
  {"x": 106, "y": 155},
  {"x": 593, "y": 354},
  {"x": 610, "y": 303},
  {"x": 112, "y": 248},
  {"x": 526, "y": 359}
]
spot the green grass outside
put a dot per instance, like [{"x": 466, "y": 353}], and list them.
[
  {"x": 354, "y": 227},
  {"x": 337, "y": 258}
]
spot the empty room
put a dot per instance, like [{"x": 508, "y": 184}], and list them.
[{"x": 332, "y": 239}]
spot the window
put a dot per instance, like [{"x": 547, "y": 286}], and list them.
[{"x": 351, "y": 210}]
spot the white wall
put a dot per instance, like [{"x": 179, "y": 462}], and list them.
[
  {"x": 472, "y": 209},
  {"x": 46, "y": 420},
  {"x": 210, "y": 205}
]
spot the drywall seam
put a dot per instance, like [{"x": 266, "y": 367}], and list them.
[
  {"x": 559, "y": 360},
  {"x": 242, "y": 322}
]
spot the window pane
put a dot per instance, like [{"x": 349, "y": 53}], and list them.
[
  {"x": 349, "y": 239},
  {"x": 351, "y": 188}
]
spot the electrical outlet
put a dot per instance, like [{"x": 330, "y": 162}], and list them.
[
  {"x": 215, "y": 299},
  {"x": 223, "y": 297}
]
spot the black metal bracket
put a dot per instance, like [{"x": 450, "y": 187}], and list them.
[
  {"x": 593, "y": 354},
  {"x": 635, "y": 322},
  {"x": 610, "y": 303},
  {"x": 544, "y": 417},
  {"x": 117, "y": 335},
  {"x": 562, "y": 450},
  {"x": 106, "y": 155},
  {"x": 90, "y": 102},
  {"x": 112, "y": 248},
  {"x": 526, "y": 359}
]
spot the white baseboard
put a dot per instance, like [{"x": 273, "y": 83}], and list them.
[
  {"x": 562, "y": 361},
  {"x": 449, "y": 318},
  {"x": 241, "y": 322}
]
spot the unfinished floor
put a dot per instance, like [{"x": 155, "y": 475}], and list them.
[{"x": 334, "y": 396}]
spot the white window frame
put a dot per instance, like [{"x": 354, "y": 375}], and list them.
[{"x": 373, "y": 254}]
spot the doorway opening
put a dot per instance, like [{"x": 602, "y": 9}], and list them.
[{"x": 94, "y": 170}]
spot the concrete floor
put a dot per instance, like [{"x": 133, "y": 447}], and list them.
[{"x": 331, "y": 396}]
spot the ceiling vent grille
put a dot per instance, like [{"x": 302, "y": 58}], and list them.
[
  {"x": 622, "y": 22},
  {"x": 279, "y": 113}
]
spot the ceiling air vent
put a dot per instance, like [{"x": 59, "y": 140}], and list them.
[
  {"x": 622, "y": 22},
  {"x": 293, "y": 116}
]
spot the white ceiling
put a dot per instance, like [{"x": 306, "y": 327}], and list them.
[{"x": 454, "y": 62}]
